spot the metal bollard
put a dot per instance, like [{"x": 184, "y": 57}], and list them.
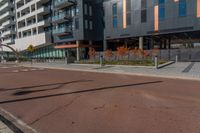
[
  {"x": 176, "y": 58},
  {"x": 101, "y": 60},
  {"x": 156, "y": 62},
  {"x": 66, "y": 60}
]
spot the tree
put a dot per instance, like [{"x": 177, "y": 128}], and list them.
[{"x": 30, "y": 50}]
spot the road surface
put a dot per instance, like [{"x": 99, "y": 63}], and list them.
[{"x": 60, "y": 101}]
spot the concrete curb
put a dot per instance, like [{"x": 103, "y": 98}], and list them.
[
  {"x": 166, "y": 64},
  {"x": 19, "y": 125},
  {"x": 117, "y": 72}
]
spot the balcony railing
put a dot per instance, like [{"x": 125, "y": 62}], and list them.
[
  {"x": 62, "y": 16},
  {"x": 62, "y": 30},
  {"x": 63, "y": 3}
]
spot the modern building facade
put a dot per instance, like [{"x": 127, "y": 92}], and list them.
[
  {"x": 151, "y": 23},
  {"x": 57, "y": 26},
  {"x": 52, "y": 26},
  {"x": 77, "y": 24}
]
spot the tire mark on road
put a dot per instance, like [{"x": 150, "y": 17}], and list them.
[{"x": 55, "y": 110}]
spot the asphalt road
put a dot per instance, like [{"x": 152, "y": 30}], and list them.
[{"x": 60, "y": 101}]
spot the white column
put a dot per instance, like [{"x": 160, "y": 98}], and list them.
[
  {"x": 141, "y": 43},
  {"x": 77, "y": 51}
]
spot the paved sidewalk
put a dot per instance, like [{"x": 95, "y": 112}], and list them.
[
  {"x": 181, "y": 70},
  {"x": 4, "y": 128}
]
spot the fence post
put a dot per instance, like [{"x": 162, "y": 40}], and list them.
[{"x": 156, "y": 62}]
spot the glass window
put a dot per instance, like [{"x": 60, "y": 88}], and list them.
[
  {"x": 91, "y": 25},
  {"x": 76, "y": 23},
  {"x": 114, "y": 12},
  {"x": 144, "y": 16},
  {"x": 143, "y": 11},
  {"x": 143, "y": 4},
  {"x": 86, "y": 24},
  {"x": 161, "y": 9},
  {"x": 182, "y": 8},
  {"x": 161, "y": 2},
  {"x": 114, "y": 9},
  {"x": 90, "y": 10},
  {"x": 128, "y": 12},
  {"x": 114, "y": 22},
  {"x": 85, "y": 9}
]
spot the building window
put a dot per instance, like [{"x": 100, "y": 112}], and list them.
[
  {"x": 182, "y": 8},
  {"x": 86, "y": 24},
  {"x": 90, "y": 10},
  {"x": 115, "y": 22},
  {"x": 114, "y": 13},
  {"x": 161, "y": 9},
  {"x": 76, "y": 23},
  {"x": 128, "y": 12},
  {"x": 91, "y": 25},
  {"x": 85, "y": 9},
  {"x": 143, "y": 11},
  {"x": 114, "y": 9}
]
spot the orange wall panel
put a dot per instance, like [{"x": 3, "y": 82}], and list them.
[
  {"x": 198, "y": 8},
  {"x": 156, "y": 21},
  {"x": 124, "y": 14}
]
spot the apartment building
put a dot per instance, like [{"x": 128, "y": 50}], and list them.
[
  {"x": 52, "y": 26},
  {"x": 151, "y": 23},
  {"x": 7, "y": 22},
  {"x": 77, "y": 25},
  {"x": 31, "y": 22}
]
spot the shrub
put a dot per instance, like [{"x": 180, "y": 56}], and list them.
[
  {"x": 122, "y": 51},
  {"x": 92, "y": 53},
  {"x": 155, "y": 52},
  {"x": 108, "y": 54}
]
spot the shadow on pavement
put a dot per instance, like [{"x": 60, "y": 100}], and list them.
[
  {"x": 78, "y": 92},
  {"x": 41, "y": 90},
  {"x": 46, "y": 85}
]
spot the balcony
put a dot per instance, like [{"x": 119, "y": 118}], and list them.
[
  {"x": 44, "y": 10},
  {"x": 44, "y": 22},
  {"x": 7, "y": 14},
  {"x": 8, "y": 23},
  {"x": 1, "y": 27},
  {"x": 8, "y": 41},
  {"x": 62, "y": 31},
  {"x": 64, "y": 3},
  {"x": 35, "y": 40},
  {"x": 62, "y": 18},
  {"x": 2, "y": 1},
  {"x": 7, "y": 33},
  {"x": 6, "y": 6},
  {"x": 42, "y": 1}
]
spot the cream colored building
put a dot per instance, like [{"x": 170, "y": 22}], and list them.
[{"x": 31, "y": 22}]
